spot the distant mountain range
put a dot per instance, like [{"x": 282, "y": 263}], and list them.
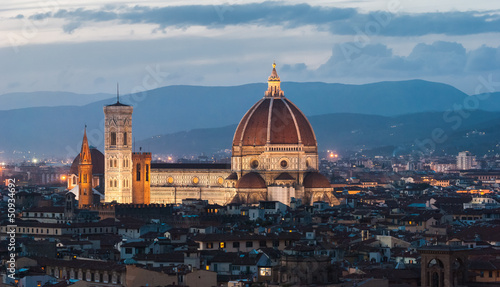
[
  {"x": 343, "y": 116},
  {"x": 365, "y": 134},
  {"x": 48, "y": 99}
]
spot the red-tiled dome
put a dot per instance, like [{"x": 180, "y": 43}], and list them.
[
  {"x": 251, "y": 180},
  {"x": 316, "y": 180},
  {"x": 97, "y": 162},
  {"x": 274, "y": 121}
]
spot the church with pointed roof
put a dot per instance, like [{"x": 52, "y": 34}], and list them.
[{"x": 274, "y": 158}]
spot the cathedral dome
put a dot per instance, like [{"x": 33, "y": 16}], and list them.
[
  {"x": 97, "y": 162},
  {"x": 274, "y": 120},
  {"x": 251, "y": 180},
  {"x": 316, "y": 180}
]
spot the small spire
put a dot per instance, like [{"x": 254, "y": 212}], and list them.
[
  {"x": 117, "y": 93},
  {"x": 85, "y": 157},
  {"x": 274, "y": 64}
]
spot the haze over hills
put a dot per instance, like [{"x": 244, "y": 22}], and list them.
[
  {"x": 48, "y": 99},
  {"x": 479, "y": 133},
  {"x": 173, "y": 110}
]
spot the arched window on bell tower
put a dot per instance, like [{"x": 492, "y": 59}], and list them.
[
  {"x": 113, "y": 138},
  {"x": 138, "y": 172}
]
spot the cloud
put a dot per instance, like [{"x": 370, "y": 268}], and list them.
[
  {"x": 342, "y": 21},
  {"x": 484, "y": 59},
  {"x": 437, "y": 59},
  {"x": 71, "y": 27}
]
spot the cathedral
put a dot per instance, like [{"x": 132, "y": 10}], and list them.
[{"x": 274, "y": 158}]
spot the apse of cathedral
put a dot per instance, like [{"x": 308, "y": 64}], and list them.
[{"x": 274, "y": 158}]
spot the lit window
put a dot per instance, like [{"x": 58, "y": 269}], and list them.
[
  {"x": 265, "y": 271},
  {"x": 222, "y": 244}
]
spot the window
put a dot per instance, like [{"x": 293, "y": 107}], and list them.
[
  {"x": 147, "y": 173},
  {"x": 222, "y": 244},
  {"x": 265, "y": 271},
  {"x": 125, "y": 138},
  {"x": 209, "y": 245},
  {"x": 284, "y": 164},
  {"x": 84, "y": 178},
  {"x": 249, "y": 244},
  {"x": 138, "y": 172},
  {"x": 490, "y": 274},
  {"x": 262, "y": 243},
  {"x": 128, "y": 250},
  {"x": 113, "y": 138},
  {"x": 276, "y": 243},
  {"x": 236, "y": 244}
]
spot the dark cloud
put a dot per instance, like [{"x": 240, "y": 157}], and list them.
[
  {"x": 71, "y": 27},
  {"x": 484, "y": 59},
  {"x": 344, "y": 21},
  {"x": 437, "y": 59}
]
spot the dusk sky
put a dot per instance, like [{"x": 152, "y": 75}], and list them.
[{"x": 60, "y": 45}]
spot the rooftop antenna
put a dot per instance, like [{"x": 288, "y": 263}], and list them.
[{"x": 117, "y": 93}]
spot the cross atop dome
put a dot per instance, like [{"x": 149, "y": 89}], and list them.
[{"x": 273, "y": 85}]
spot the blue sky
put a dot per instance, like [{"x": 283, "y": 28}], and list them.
[{"x": 58, "y": 45}]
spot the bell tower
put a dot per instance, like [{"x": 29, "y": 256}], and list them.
[
  {"x": 85, "y": 194},
  {"x": 118, "y": 152}
]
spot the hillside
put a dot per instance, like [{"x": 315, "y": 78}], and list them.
[{"x": 57, "y": 130}]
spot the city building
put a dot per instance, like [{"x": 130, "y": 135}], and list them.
[{"x": 465, "y": 160}]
